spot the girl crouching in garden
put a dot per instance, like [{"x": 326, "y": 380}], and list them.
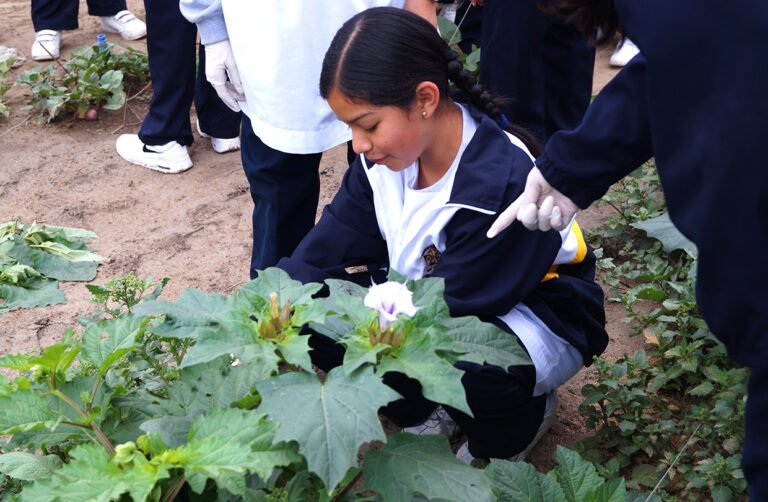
[{"x": 431, "y": 175}]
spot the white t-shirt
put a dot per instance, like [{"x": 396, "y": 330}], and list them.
[
  {"x": 412, "y": 219},
  {"x": 279, "y": 49}
]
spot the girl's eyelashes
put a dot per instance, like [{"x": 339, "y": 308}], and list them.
[{"x": 372, "y": 128}]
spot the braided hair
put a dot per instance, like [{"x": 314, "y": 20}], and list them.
[{"x": 382, "y": 54}]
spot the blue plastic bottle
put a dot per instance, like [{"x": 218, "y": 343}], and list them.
[{"x": 101, "y": 40}]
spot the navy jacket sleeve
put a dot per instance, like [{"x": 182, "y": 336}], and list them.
[
  {"x": 613, "y": 139},
  {"x": 346, "y": 235}
]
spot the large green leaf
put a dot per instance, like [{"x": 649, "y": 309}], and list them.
[
  {"x": 482, "y": 342},
  {"x": 409, "y": 465},
  {"x": 107, "y": 341},
  {"x": 58, "y": 357},
  {"x": 35, "y": 293},
  {"x": 25, "y": 411},
  {"x": 55, "y": 266},
  {"x": 91, "y": 476},
  {"x": 610, "y": 491},
  {"x": 199, "y": 390},
  {"x": 226, "y": 444},
  {"x": 329, "y": 420},
  {"x": 440, "y": 380},
  {"x": 576, "y": 476},
  {"x": 230, "y": 325},
  {"x": 662, "y": 228},
  {"x": 522, "y": 482},
  {"x": 194, "y": 313},
  {"x": 28, "y": 467}
]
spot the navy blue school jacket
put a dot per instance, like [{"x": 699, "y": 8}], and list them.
[
  {"x": 696, "y": 99},
  {"x": 483, "y": 277}
]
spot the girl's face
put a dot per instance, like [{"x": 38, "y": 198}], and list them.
[{"x": 387, "y": 135}]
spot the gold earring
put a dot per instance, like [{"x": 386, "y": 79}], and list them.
[{"x": 424, "y": 114}]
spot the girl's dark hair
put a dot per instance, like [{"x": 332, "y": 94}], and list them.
[
  {"x": 382, "y": 54},
  {"x": 589, "y": 16}
]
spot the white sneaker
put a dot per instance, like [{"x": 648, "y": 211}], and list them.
[
  {"x": 47, "y": 45},
  {"x": 550, "y": 408},
  {"x": 439, "y": 422},
  {"x": 625, "y": 51},
  {"x": 220, "y": 145},
  {"x": 170, "y": 158},
  {"x": 126, "y": 24}
]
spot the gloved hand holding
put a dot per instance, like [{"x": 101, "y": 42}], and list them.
[
  {"x": 220, "y": 64},
  {"x": 539, "y": 207}
]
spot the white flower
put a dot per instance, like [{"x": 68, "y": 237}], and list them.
[{"x": 390, "y": 299}]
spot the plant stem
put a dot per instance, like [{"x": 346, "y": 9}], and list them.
[
  {"x": 95, "y": 428},
  {"x": 673, "y": 463},
  {"x": 175, "y": 489},
  {"x": 343, "y": 493}
]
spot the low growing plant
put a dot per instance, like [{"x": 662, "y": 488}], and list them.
[
  {"x": 671, "y": 416},
  {"x": 33, "y": 258},
  {"x": 93, "y": 78}
]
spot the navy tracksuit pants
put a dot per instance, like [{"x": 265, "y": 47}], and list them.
[
  {"x": 540, "y": 64},
  {"x": 285, "y": 188},
  {"x": 62, "y": 14},
  {"x": 755, "y": 460},
  {"x": 177, "y": 80}
]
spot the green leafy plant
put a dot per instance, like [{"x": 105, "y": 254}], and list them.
[
  {"x": 451, "y": 33},
  {"x": 5, "y": 68},
  {"x": 93, "y": 78},
  {"x": 100, "y": 416},
  {"x": 670, "y": 416},
  {"x": 33, "y": 258}
]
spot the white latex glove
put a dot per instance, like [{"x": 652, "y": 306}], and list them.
[
  {"x": 539, "y": 207},
  {"x": 220, "y": 64}
]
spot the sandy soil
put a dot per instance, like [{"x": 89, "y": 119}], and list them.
[{"x": 193, "y": 227}]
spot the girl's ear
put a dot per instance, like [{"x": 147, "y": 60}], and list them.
[{"x": 427, "y": 99}]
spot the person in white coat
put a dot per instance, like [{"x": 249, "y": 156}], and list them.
[{"x": 265, "y": 58}]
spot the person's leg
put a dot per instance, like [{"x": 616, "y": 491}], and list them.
[
  {"x": 506, "y": 415},
  {"x": 54, "y": 14},
  {"x": 216, "y": 119},
  {"x": 569, "y": 62},
  {"x": 755, "y": 460},
  {"x": 106, "y": 7},
  {"x": 511, "y": 65},
  {"x": 285, "y": 189},
  {"x": 171, "y": 42}
]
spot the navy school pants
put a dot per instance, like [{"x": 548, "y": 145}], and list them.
[
  {"x": 537, "y": 62},
  {"x": 62, "y": 14},
  {"x": 177, "y": 80},
  {"x": 285, "y": 189},
  {"x": 506, "y": 415},
  {"x": 755, "y": 460}
]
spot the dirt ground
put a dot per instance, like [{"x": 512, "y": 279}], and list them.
[{"x": 192, "y": 227}]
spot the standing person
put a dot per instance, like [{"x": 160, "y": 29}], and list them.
[
  {"x": 51, "y": 17},
  {"x": 286, "y": 124},
  {"x": 165, "y": 133},
  {"x": 538, "y": 62},
  {"x": 430, "y": 177},
  {"x": 686, "y": 100}
]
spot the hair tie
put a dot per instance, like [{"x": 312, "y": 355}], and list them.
[{"x": 503, "y": 122}]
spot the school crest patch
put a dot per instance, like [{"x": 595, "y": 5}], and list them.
[{"x": 431, "y": 257}]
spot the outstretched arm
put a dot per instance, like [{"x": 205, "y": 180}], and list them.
[{"x": 579, "y": 166}]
